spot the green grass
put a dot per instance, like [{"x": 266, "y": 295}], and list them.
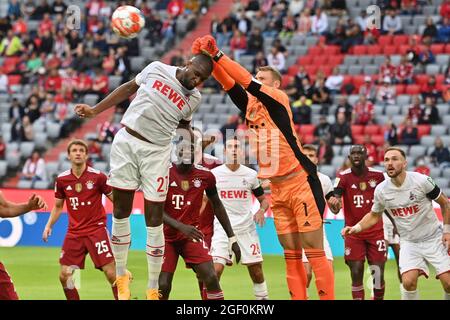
[{"x": 34, "y": 271}]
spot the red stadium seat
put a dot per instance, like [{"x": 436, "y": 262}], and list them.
[
  {"x": 306, "y": 129},
  {"x": 374, "y": 49},
  {"x": 335, "y": 60},
  {"x": 315, "y": 51},
  {"x": 423, "y": 130},
  {"x": 400, "y": 39},
  {"x": 358, "y": 81},
  {"x": 14, "y": 79},
  {"x": 372, "y": 129},
  {"x": 403, "y": 49},
  {"x": 359, "y": 139},
  {"x": 10, "y": 64},
  {"x": 328, "y": 70},
  {"x": 359, "y": 50},
  {"x": 438, "y": 48},
  {"x": 285, "y": 80},
  {"x": 385, "y": 40},
  {"x": 305, "y": 60},
  {"x": 421, "y": 79},
  {"x": 308, "y": 139},
  {"x": 412, "y": 89},
  {"x": 378, "y": 139},
  {"x": 447, "y": 48},
  {"x": 331, "y": 50},
  {"x": 311, "y": 70},
  {"x": 320, "y": 60},
  {"x": 390, "y": 50},
  {"x": 400, "y": 89},
  {"x": 357, "y": 129},
  {"x": 292, "y": 71},
  {"x": 440, "y": 78}
]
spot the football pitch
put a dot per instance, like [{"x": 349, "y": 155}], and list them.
[{"x": 35, "y": 270}]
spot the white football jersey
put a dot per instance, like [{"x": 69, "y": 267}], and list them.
[
  {"x": 235, "y": 191},
  {"x": 410, "y": 206},
  {"x": 160, "y": 103},
  {"x": 325, "y": 181}
]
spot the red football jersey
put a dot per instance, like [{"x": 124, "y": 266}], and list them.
[
  {"x": 184, "y": 197},
  {"x": 207, "y": 220},
  {"x": 83, "y": 200},
  {"x": 357, "y": 193}
]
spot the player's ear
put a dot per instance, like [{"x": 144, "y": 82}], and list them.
[{"x": 277, "y": 84}]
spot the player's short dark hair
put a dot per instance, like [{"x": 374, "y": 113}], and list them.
[
  {"x": 402, "y": 152},
  {"x": 77, "y": 142},
  {"x": 275, "y": 73},
  {"x": 310, "y": 147},
  {"x": 205, "y": 61}
]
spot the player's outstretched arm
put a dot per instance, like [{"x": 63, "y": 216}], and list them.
[
  {"x": 259, "y": 217},
  {"x": 445, "y": 210},
  {"x": 189, "y": 231},
  {"x": 54, "y": 216},
  {"x": 117, "y": 96},
  {"x": 365, "y": 223},
  {"x": 10, "y": 209}
]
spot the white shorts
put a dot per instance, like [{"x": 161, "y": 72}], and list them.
[
  {"x": 388, "y": 228},
  {"x": 417, "y": 256},
  {"x": 135, "y": 163},
  {"x": 326, "y": 247},
  {"x": 248, "y": 243}
]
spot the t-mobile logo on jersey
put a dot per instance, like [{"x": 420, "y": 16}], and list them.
[
  {"x": 74, "y": 203},
  {"x": 178, "y": 201},
  {"x": 358, "y": 200}
]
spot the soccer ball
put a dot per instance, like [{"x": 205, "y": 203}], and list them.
[{"x": 127, "y": 21}]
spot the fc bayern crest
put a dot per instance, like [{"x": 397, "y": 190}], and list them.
[
  {"x": 197, "y": 183},
  {"x": 90, "y": 185},
  {"x": 362, "y": 186},
  {"x": 347, "y": 251},
  {"x": 372, "y": 183}
]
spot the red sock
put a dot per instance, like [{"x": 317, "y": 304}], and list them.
[
  {"x": 214, "y": 295},
  {"x": 323, "y": 273},
  {"x": 295, "y": 274},
  {"x": 202, "y": 290},
  {"x": 378, "y": 293},
  {"x": 115, "y": 294},
  {"x": 358, "y": 291},
  {"x": 71, "y": 294}
]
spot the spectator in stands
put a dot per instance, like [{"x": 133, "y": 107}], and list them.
[
  {"x": 430, "y": 32},
  {"x": 426, "y": 56},
  {"x": 109, "y": 62},
  {"x": 296, "y": 6},
  {"x": 123, "y": 65},
  {"x": 392, "y": 24},
  {"x": 230, "y": 127},
  {"x": 340, "y": 131},
  {"x": 421, "y": 166},
  {"x": 226, "y": 30},
  {"x": 291, "y": 89},
  {"x": 20, "y": 26},
  {"x": 299, "y": 76},
  {"x": 368, "y": 89},
  {"x": 48, "y": 107},
  {"x": 363, "y": 112},
  {"x": 28, "y": 8},
  {"x": 413, "y": 49},
  {"x": 59, "y": 7},
  {"x": 289, "y": 27},
  {"x": 33, "y": 109},
  {"x": 361, "y": 20},
  {"x": 444, "y": 10},
  {"x": 390, "y": 134},
  {"x": 415, "y": 110},
  {"x": 321, "y": 95},
  {"x": 16, "y": 111},
  {"x": 22, "y": 130},
  {"x": 40, "y": 10},
  {"x": 3, "y": 82},
  {"x": 447, "y": 75},
  {"x": 175, "y": 8},
  {"x": 168, "y": 31},
  {"x": 319, "y": 22},
  {"x": 440, "y": 156},
  {"x": 34, "y": 169},
  {"x": 345, "y": 108},
  {"x": 372, "y": 152},
  {"x": 94, "y": 150},
  {"x": 301, "y": 110},
  {"x": 53, "y": 81},
  {"x": 100, "y": 85},
  {"x": 325, "y": 152},
  {"x": 405, "y": 69},
  {"x": 83, "y": 85},
  {"x": 387, "y": 69},
  {"x": 243, "y": 24},
  {"x": 11, "y": 45},
  {"x": 353, "y": 36},
  {"x": 178, "y": 58},
  {"x": 443, "y": 33},
  {"x": 304, "y": 22},
  {"x": 411, "y": 7},
  {"x": 431, "y": 89},
  {"x": 2, "y": 148},
  {"x": 430, "y": 113},
  {"x": 154, "y": 26},
  {"x": 252, "y": 7},
  {"x": 255, "y": 42},
  {"x": 237, "y": 7},
  {"x": 277, "y": 60},
  {"x": 259, "y": 20},
  {"x": 107, "y": 132},
  {"x": 238, "y": 44},
  {"x": 13, "y": 9},
  {"x": 322, "y": 130},
  {"x": 410, "y": 134},
  {"x": 260, "y": 60},
  {"x": 334, "y": 81},
  {"x": 386, "y": 92}
]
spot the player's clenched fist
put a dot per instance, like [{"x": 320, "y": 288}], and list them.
[
  {"x": 208, "y": 45},
  {"x": 351, "y": 230},
  {"x": 84, "y": 111},
  {"x": 36, "y": 202},
  {"x": 195, "y": 49}
]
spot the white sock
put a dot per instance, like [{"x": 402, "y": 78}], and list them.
[
  {"x": 155, "y": 254},
  {"x": 260, "y": 291},
  {"x": 410, "y": 295},
  {"x": 446, "y": 296},
  {"x": 120, "y": 242}
]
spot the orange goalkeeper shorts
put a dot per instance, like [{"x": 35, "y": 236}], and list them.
[{"x": 293, "y": 205}]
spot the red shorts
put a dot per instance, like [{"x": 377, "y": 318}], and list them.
[
  {"x": 7, "y": 291},
  {"x": 98, "y": 245},
  {"x": 193, "y": 253},
  {"x": 358, "y": 249}
]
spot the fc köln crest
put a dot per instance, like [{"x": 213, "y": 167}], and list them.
[
  {"x": 78, "y": 187},
  {"x": 362, "y": 186},
  {"x": 90, "y": 185},
  {"x": 185, "y": 185}
]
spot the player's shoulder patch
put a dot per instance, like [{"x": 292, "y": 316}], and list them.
[
  {"x": 374, "y": 170},
  {"x": 64, "y": 174},
  {"x": 200, "y": 167},
  {"x": 92, "y": 170}
]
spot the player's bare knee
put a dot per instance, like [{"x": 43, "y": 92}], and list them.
[
  {"x": 210, "y": 279},
  {"x": 121, "y": 213},
  {"x": 409, "y": 283},
  {"x": 64, "y": 275}
]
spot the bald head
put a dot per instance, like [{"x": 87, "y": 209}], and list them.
[
  {"x": 203, "y": 62},
  {"x": 197, "y": 70}
]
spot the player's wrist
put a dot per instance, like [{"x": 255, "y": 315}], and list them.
[
  {"x": 232, "y": 239},
  {"x": 446, "y": 228},
  {"x": 357, "y": 228},
  {"x": 219, "y": 54}
]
